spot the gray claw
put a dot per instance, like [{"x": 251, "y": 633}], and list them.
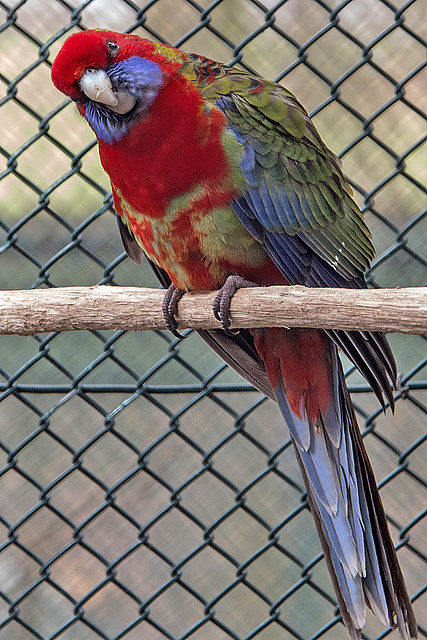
[
  {"x": 170, "y": 309},
  {"x": 221, "y": 304}
]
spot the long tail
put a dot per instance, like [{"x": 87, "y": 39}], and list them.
[
  {"x": 340, "y": 484},
  {"x": 338, "y": 476}
]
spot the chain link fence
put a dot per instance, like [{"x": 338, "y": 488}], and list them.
[{"x": 146, "y": 491}]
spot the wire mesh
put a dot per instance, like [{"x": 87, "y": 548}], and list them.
[{"x": 146, "y": 491}]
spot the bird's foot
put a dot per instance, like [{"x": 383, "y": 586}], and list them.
[
  {"x": 170, "y": 308},
  {"x": 221, "y": 304}
]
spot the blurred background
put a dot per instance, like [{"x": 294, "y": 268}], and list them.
[{"x": 146, "y": 491}]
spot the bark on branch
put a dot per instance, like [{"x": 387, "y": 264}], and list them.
[{"x": 106, "y": 307}]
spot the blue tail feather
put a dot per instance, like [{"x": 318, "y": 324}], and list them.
[{"x": 342, "y": 503}]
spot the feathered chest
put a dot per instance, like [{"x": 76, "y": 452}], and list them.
[
  {"x": 198, "y": 240},
  {"x": 180, "y": 144},
  {"x": 173, "y": 180}
]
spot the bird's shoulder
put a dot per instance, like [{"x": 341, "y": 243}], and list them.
[
  {"x": 258, "y": 106},
  {"x": 295, "y": 181}
]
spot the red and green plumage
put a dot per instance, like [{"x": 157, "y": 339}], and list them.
[{"x": 214, "y": 173}]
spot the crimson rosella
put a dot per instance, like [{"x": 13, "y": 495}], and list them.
[{"x": 221, "y": 179}]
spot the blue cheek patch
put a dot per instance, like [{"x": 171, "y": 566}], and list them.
[
  {"x": 107, "y": 125},
  {"x": 135, "y": 74},
  {"x": 139, "y": 77}
]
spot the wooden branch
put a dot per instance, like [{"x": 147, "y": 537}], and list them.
[{"x": 106, "y": 307}]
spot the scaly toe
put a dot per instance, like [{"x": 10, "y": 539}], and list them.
[
  {"x": 222, "y": 302},
  {"x": 170, "y": 309}
]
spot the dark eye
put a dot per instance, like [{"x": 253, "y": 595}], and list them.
[{"x": 112, "y": 46}]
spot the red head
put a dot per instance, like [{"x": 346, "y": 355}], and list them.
[
  {"x": 98, "y": 50},
  {"x": 113, "y": 77},
  {"x": 156, "y": 139}
]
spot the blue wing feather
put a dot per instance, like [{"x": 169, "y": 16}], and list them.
[{"x": 315, "y": 240}]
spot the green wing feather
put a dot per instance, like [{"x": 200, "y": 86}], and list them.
[
  {"x": 292, "y": 160},
  {"x": 297, "y": 202}
]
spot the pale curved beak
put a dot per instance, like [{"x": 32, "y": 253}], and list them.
[{"x": 96, "y": 84}]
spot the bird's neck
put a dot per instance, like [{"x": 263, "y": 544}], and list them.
[{"x": 175, "y": 147}]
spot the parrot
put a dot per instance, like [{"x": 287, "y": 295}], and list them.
[{"x": 220, "y": 178}]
